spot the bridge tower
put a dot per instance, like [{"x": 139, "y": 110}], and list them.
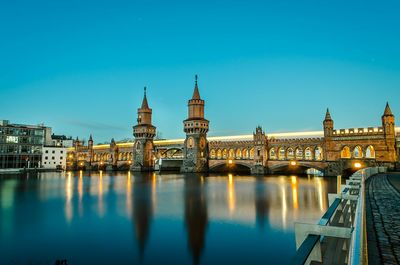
[
  {"x": 330, "y": 153},
  {"x": 329, "y": 147},
  {"x": 90, "y": 151},
  {"x": 260, "y": 152},
  {"x": 144, "y": 132},
  {"x": 113, "y": 160},
  {"x": 195, "y": 151},
  {"x": 388, "y": 123}
]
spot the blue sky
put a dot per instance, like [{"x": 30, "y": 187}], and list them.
[{"x": 80, "y": 66}]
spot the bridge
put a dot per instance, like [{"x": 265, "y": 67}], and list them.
[
  {"x": 296, "y": 151},
  {"x": 330, "y": 151}
]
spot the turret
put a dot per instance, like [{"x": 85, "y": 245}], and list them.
[
  {"x": 328, "y": 124},
  {"x": 388, "y": 121},
  {"x": 90, "y": 142},
  {"x": 144, "y": 132},
  {"x": 144, "y": 112},
  {"x": 196, "y": 128}
]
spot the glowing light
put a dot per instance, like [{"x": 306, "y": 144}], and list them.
[
  {"x": 230, "y": 162},
  {"x": 231, "y": 193},
  {"x": 81, "y": 164},
  {"x": 129, "y": 162},
  {"x": 101, "y": 163},
  {"x": 357, "y": 165},
  {"x": 294, "y": 180},
  {"x": 294, "y": 192},
  {"x": 293, "y": 163}
]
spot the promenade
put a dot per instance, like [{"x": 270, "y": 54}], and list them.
[{"x": 383, "y": 218}]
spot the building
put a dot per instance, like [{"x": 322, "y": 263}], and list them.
[
  {"x": 61, "y": 141},
  {"x": 21, "y": 145},
  {"x": 54, "y": 157}
]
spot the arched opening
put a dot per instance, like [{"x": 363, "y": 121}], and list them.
[
  {"x": 212, "y": 154},
  {"x": 345, "y": 153},
  {"x": 231, "y": 168},
  {"x": 238, "y": 154},
  {"x": 357, "y": 152},
  {"x": 299, "y": 169},
  {"x": 224, "y": 154},
  {"x": 318, "y": 153},
  {"x": 290, "y": 154},
  {"x": 252, "y": 153},
  {"x": 219, "y": 154},
  {"x": 299, "y": 153},
  {"x": 231, "y": 153},
  {"x": 370, "y": 152},
  {"x": 272, "y": 154},
  {"x": 281, "y": 153},
  {"x": 308, "y": 154},
  {"x": 245, "y": 154}
]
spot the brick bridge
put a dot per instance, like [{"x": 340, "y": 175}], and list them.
[{"x": 331, "y": 151}]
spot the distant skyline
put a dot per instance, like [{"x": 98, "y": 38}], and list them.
[{"x": 80, "y": 66}]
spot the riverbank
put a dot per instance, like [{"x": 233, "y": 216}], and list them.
[{"x": 18, "y": 171}]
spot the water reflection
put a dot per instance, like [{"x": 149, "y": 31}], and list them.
[
  {"x": 146, "y": 213},
  {"x": 196, "y": 216},
  {"x": 142, "y": 209}
]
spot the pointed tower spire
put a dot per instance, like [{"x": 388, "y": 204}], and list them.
[
  {"x": 196, "y": 94},
  {"x": 328, "y": 115},
  {"x": 388, "y": 111},
  {"x": 145, "y": 105},
  {"x": 90, "y": 137}
]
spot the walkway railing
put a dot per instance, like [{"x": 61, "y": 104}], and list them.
[{"x": 340, "y": 235}]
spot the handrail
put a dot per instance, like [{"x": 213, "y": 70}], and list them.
[{"x": 310, "y": 246}]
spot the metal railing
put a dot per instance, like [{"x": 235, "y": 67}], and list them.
[{"x": 339, "y": 237}]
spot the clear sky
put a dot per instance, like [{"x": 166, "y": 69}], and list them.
[{"x": 80, "y": 66}]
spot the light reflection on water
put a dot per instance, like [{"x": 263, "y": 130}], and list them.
[{"x": 128, "y": 218}]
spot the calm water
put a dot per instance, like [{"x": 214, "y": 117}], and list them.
[{"x": 126, "y": 218}]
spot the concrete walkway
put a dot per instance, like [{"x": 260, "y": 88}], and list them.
[{"x": 383, "y": 218}]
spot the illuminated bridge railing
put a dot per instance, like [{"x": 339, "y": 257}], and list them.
[{"x": 339, "y": 237}]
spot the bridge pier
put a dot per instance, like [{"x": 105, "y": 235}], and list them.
[{"x": 258, "y": 170}]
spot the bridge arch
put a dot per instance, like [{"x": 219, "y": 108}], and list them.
[
  {"x": 299, "y": 168},
  {"x": 225, "y": 166},
  {"x": 172, "y": 153}
]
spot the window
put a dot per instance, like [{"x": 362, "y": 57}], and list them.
[
  {"x": 345, "y": 152},
  {"x": 53, "y": 152},
  {"x": 61, "y": 157},
  {"x": 357, "y": 153},
  {"x": 53, "y": 158},
  {"x": 272, "y": 153},
  {"x": 370, "y": 153},
  {"x": 318, "y": 153},
  {"x": 47, "y": 151},
  {"x": 46, "y": 158},
  {"x": 61, "y": 152}
]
